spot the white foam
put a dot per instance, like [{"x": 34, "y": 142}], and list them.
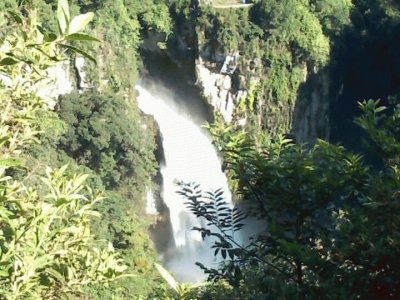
[{"x": 189, "y": 157}]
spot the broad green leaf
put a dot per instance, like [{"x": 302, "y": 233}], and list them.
[
  {"x": 63, "y": 169},
  {"x": 10, "y": 162},
  {"x": 93, "y": 214},
  {"x": 40, "y": 36},
  {"x": 63, "y": 15},
  {"x": 79, "y": 180},
  {"x": 79, "y": 51},
  {"x": 4, "y": 273},
  {"x": 17, "y": 18},
  {"x": 61, "y": 201},
  {"x": 50, "y": 37},
  {"x": 80, "y": 37},
  {"x": 8, "y": 61},
  {"x": 80, "y": 22},
  {"x": 4, "y": 213},
  {"x": 63, "y": 4},
  {"x": 379, "y": 109},
  {"x": 55, "y": 274}
]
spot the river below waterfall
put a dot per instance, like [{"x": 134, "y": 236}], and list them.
[{"x": 189, "y": 156}]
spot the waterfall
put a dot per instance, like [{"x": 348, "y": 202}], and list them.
[
  {"x": 151, "y": 208},
  {"x": 189, "y": 157}
]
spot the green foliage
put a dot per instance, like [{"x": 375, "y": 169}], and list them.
[
  {"x": 333, "y": 14},
  {"x": 25, "y": 55},
  {"x": 157, "y": 17},
  {"x": 292, "y": 21},
  {"x": 119, "y": 25},
  {"x": 383, "y": 130},
  {"x": 45, "y": 239},
  {"x": 286, "y": 39},
  {"x": 116, "y": 25},
  {"x": 229, "y": 29},
  {"x": 330, "y": 220},
  {"x": 293, "y": 40},
  {"x": 181, "y": 7},
  {"x": 122, "y": 158},
  {"x": 104, "y": 133},
  {"x": 46, "y": 247},
  {"x": 124, "y": 226}
]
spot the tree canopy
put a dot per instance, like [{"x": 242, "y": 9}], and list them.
[
  {"x": 73, "y": 179},
  {"x": 46, "y": 246},
  {"x": 331, "y": 221}
]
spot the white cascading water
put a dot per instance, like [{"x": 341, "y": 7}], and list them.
[{"x": 189, "y": 157}]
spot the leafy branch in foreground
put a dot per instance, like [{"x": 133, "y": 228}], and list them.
[
  {"x": 45, "y": 239},
  {"x": 47, "y": 250},
  {"x": 222, "y": 223},
  {"x": 331, "y": 221}
]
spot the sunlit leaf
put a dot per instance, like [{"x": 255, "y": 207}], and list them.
[
  {"x": 79, "y": 51},
  {"x": 80, "y": 22},
  {"x": 80, "y": 37},
  {"x": 8, "y": 61},
  {"x": 63, "y": 15}
]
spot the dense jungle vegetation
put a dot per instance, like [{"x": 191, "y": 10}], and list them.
[{"x": 73, "y": 176}]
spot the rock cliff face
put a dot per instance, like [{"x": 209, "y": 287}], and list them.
[
  {"x": 307, "y": 119},
  {"x": 219, "y": 78},
  {"x": 216, "y": 87},
  {"x": 63, "y": 78},
  {"x": 309, "y": 115},
  {"x": 311, "y": 112},
  {"x": 60, "y": 81},
  {"x": 79, "y": 64}
]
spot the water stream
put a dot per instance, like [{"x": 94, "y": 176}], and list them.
[{"x": 190, "y": 157}]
